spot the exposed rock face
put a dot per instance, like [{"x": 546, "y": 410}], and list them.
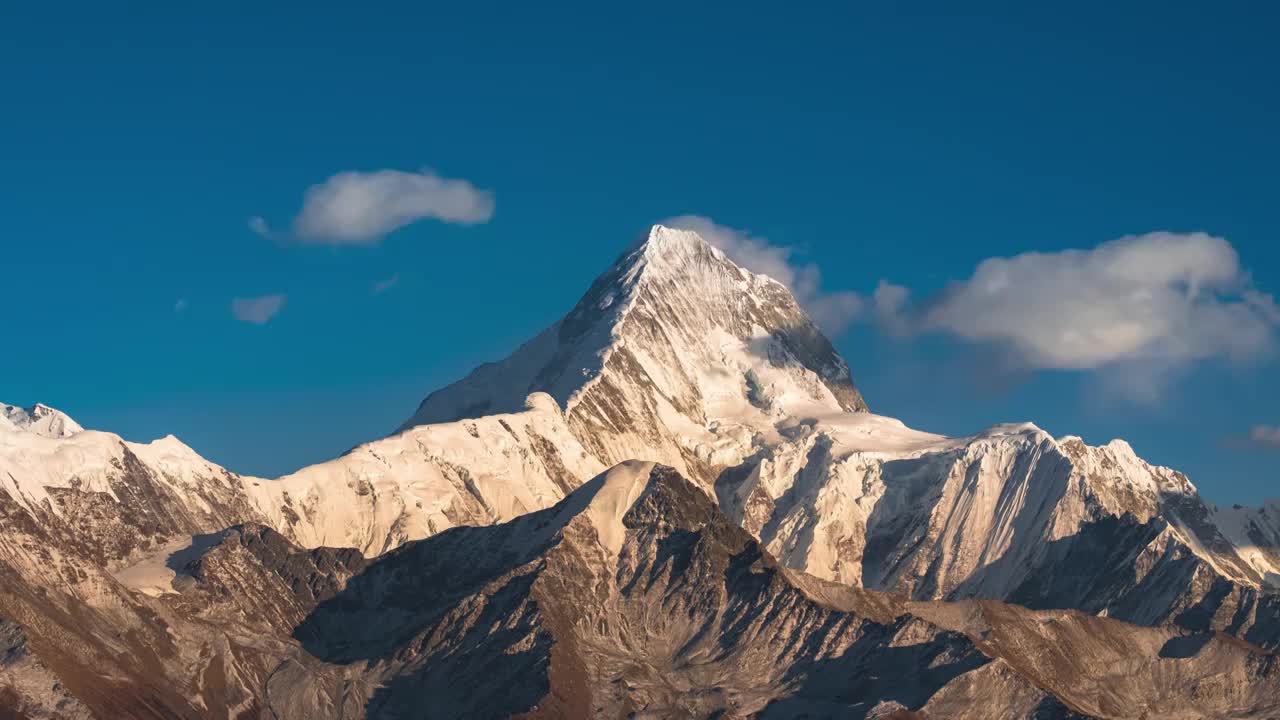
[
  {"x": 1010, "y": 514},
  {"x": 29, "y": 689},
  {"x": 113, "y": 500},
  {"x": 634, "y": 596}
]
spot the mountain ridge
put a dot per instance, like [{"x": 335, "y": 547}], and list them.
[
  {"x": 633, "y": 595},
  {"x": 702, "y": 393}
]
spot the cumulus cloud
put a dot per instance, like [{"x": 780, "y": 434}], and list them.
[
  {"x": 832, "y": 311},
  {"x": 257, "y": 310},
  {"x": 1265, "y": 436},
  {"x": 1160, "y": 300},
  {"x": 359, "y": 208},
  {"x": 384, "y": 285}
]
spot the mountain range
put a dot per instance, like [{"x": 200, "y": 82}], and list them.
[{"x": 673, "y": 502}]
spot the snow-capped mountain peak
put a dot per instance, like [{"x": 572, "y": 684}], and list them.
[
  {"x": 39, "y": 419},
  {"x": 674, "y": 353},
  {"x": 685, "y": 423}
]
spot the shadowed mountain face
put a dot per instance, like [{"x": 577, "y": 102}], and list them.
[
  {"x": 633, "y": 597},
  {"x": 681, "y": 615}
]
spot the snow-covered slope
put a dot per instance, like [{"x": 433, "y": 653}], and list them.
[
  {"x": 1008, "y": 513},
  {"x": 1256, "y": 534},
  {"x": 430, "y": 478},
  {"x": 38, "y": 419},
  {"x": 127, "y": 501},
  {"x": 118, "y": 553},
  {"x": 677, "y": 356},
  {"x": 109, "y": 498},
  {"x": 675, "y": 353}
]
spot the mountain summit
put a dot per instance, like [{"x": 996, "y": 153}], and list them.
[
  {"x": 39, "y": 419},
  {"x": 675, "y": 350}
]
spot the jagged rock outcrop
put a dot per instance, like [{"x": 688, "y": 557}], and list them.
[
  {"x": 1010, "y": 513},
  {"x": 28, "y": 688}
]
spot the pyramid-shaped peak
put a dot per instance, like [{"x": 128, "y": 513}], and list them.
[
  {"x": 672, "y": 337},
  {"x": 675, "y": 248},
  {"x": 665, "y": 239}
]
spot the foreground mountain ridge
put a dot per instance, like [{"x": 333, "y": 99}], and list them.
[
  {"x": 633, "y": 596},
  {"x": 675, "y": 356}
]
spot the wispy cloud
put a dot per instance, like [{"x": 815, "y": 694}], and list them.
[
  {"x": 1143, "y": 306},
  {"x": 257, "y": 310},
  {"x": 833, "y": 311},
  {"x": 1265, "y": 436},
  {"x": 259, "y": 225},
  {"x": 359, "y": 208},
  {"x": 384, "y": 285}
]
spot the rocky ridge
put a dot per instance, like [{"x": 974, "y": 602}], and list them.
[{"x": 635, "y": 595}]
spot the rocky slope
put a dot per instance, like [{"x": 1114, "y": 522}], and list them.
[
  {"x": 111, "y": 500},
  {"x": 633, "y": 596},
  {"x": 1010, "y": 513}
]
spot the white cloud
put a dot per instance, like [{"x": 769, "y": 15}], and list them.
[
  {"x": 1265, "y": 436},
  {"x": 832, "y": 311},
  {"x": 258, "y": 310},
  {"x": 384, "y": 285},
  {"x": 358, "y": 208},
  {"x": 1155, "y": 301}
]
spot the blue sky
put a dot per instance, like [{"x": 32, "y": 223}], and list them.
[{"x": 883, "y": 142}]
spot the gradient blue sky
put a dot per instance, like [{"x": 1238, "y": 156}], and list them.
[{"x": 896, "y": 141}]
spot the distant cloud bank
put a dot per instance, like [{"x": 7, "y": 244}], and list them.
[{"x": 258, "y": 310}]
